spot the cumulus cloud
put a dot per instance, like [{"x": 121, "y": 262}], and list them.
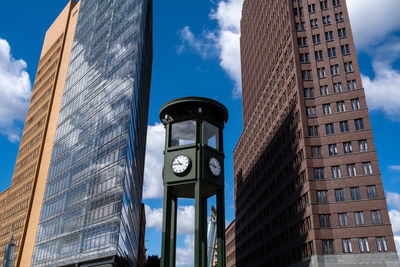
[
  {"x": 393, "y": 199},
  {"x": 203, "y": 45},
  {"x": 153, "y": 184},
  {"x": 15, "y": 92},
  {"x": 185, "y": 224},
  {"x": 383, "y": 19},
  {"x": 397, "y": 242},
  {"x": 185, "y": 256},
  {"x": 394, "y": 167},
  {"x": 395, "y": 220}
]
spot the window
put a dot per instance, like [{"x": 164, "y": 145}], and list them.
[
  {"x": 321, "y": 196},
  {"x": 346, "y": 245},
  {"x": 336, "y": 173},
  {"x": 371, "y": 192},
  {"x": 363, "y": 145},
  {"x": 183, "y": 133},
  {"x": 364, "y": 246},
  {"x": 339, "y": 16},
  {"x": 348, "y": 67},
  {"x": 210, "y": 135},
  {"x": 344, "y": 126},
  {"x": 314, "y": 23},
  {"x": 306, "y": 74},
  {"x": 311, "y": 112},
  {"x": 302, "y": 41},
  {"x": 367, "y": 168},
  {"x": 324, "y": 90},
  {"x": 327, "y": 109},
  {"x": 298, "y": 11},
  {"x": 359, "y": 218},
  {"x": 351, "y": 170},
  {"x": 343, "y": 221},
  {"x": 359, "y": 124},
  {"x": 329, "y": 128},
  {"x": 316, "y": 151},
  {"x": 308, "y": 92},
  {"x": 332, "y": 150},
  {"x": 313, "y": 130},
  {"x": 345, "y": 49},
  {"x": 336, "y": 2},
  {"x": 376, "y": 217},
  {"x": 328, "y": 35},
  {"x": 342, "y": 33},
  {"x": 341, "y": 107},
  {"x": 321, "y": 72},
  {"x": 319, "y": 174},
  {"x": 311, "y": 8},
  {"x": 337, "y": 88},
  {"x": 316, "y": 39},
  {"x": 347, "y": 148},
  {"x": 327, "y": 244},
  {"x": 355, "y": 193},
  {"x": 335, "y": 70},
  {"x": 304, "y": 58},
  {"x": 332, "y": 52},
  {"x": 355, "y": 104},
  {"x": 381, "y": 244},
  {"x": 324, "y": 4},
  {"x": 300, "y": 26},
  {"x": 319, "y": 55},
  {"x": 324, "y": 221},
  {"x": 326, "y": 20},
  {"x": 339, "y": 195},
  {"x": 351, "y": 85}
]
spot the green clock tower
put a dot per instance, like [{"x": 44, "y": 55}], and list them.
[{"x": 193, "y": 168}]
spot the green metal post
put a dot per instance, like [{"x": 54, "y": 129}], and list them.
[
  {"x": 166, "y": 233},
  {"x": 172, "y": 246},
  {"x": 221, "y": 228}
]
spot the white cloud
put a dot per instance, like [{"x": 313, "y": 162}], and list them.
[
  {"x": 397, "y": 242},
  {"x": 382, "y": 19},
  {"x": 394, "y": 167},
  {"x": 15, "y": 91},
  {"x": 204, "y": 45},
  {"x": 393, "y": 199},
  {"x": 395, "y": 220},
  {"x": 153, "y": 184},
  {"x": 185, "y": 217},
  {"x": 185, "y": 256}
]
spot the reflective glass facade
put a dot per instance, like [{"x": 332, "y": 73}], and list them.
[{"x": 91, "y": 207}]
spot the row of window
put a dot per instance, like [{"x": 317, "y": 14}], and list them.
[
  {"x": 312, "y": 7},
  {"x": 330, "y": 128},
  {"x": 363, "y": 243},
  {"x": 321, "y": 72},
  {"x": 319, "y": 173},
  {"x": 343, "y": 219},
  {"x": 319, "y": 55},
  {"x": 337, "y": 88},
  {"x": 339, "y": 194}
]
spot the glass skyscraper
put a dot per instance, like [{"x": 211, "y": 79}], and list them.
[{"x": 91, "y": 206}]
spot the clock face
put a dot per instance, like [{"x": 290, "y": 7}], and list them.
[
  {"x": 215, "y": 166},
  {"x": 180, "y": 164}
]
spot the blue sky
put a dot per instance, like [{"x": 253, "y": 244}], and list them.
[{"x": 196, "y": 53}]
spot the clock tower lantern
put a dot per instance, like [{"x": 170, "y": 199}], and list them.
[{"x": 193, "y": 168}]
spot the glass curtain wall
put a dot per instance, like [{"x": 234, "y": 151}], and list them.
[{"x": 91, "y": 207}]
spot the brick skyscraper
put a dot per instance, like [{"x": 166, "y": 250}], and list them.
[{"x": 308, "y": 189}]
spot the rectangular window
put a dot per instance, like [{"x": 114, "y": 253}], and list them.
[
  {"x": 314, "y": 23},
  {"x": 321, "y": 73},
  {"x": 316, "y": 39},
  {"x": 344, "y": 126},
  {"x": 298, "y": 11},
  {"x": 316, "y": 151},
  {"x": 364, "y": 246},
  {"x": 311, "y": 8},
  {"x": 328, "y": 35},
  {"x": 300, "y": 26},
  {"x": 371, "y": 192},
  {"x": 355, "y": 104},
  {"x": 336, "y": 2},
  {"x": 323, "y": 4},
  {"x": 341, "y": 107},
  {"x": 335, "y": 70},
  {"x": 359, "y": 124},
  {"x": 329, "y": 128},
  {"x": 326, "y": 20},
  {"x": 327, "y": 244},
  {"x": 306, "y": 74},
  {"x": 345, "y": 49},
  {"x": 332, "y": 52},
  {"x": 348, "y": 67},
  {"x": 359, "y": 218},
  {"x": 311, "y": 112},
  {"x": 308, "y": 92},
  {"x": 339, "y": 16},
  {"x": 324, "y": 220},
  {"x": 321, "y": 196},
  {"x": 319, "y": 55},
  {"x": 381, "y": 243},
  {"x": 343, "y": 221},
  {"x": 337, "y": 88},
  {"x": 347, "y": 148},
  {"x": 376, "y": 217},
  {"x": 304, "y": 58},
  {"x": 351, "y": 85},
  {"x": 319, "y": 174},
  {"x": 342, "y": 33},
  {"x": 332, "y": 150},
  {"x": 351, "y": 170},
  {"x": 313, "y": 130},
  {"x": 346, "y": 245},
  {"x": 336, "y": 173},
  {"x": 339, "y": 195},
  {"x": 367, "y": 168},
  {"x": 302, "y": 41},
  {"x": 355, "y": 193},
  {"x": 324, "y": 90},
  {"x": 327, "y": 109},
  {"x": 363, "y": 145}
]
